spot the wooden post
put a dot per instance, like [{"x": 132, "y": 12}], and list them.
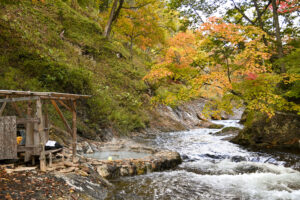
[
  {"x": 41, "y": 131},
  {"x": 74, "y": 130},
  {"x": 50, "y": 159},
  {"x": 29, "y": 134},
  {"x": 46, "y": 123}
]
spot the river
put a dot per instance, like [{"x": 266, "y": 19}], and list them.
[{"x": 214, "y": 168}]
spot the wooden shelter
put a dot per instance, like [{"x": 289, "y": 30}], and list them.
[{"x": 35, "y": 121}]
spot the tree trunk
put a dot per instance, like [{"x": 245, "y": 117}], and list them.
[
  {"x": 277, "y": 34},
  {"x": 131, "y": 47},
  {"x": 261, "y": 24},
  {"x": 107, "y": 29},
  {"x": 114, "y": 13}
]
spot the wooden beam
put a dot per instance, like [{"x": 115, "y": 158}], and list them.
[
  {"x": 16, "y": 107},
  {"x": 65, "y": 105},
  {"x": 55, "y": 98},
  {"x": 9, "y": 100},
  {"x": 74, "y": 129},
  {"x": 61, "y": 116},
  {"x": 27, "y": 120},
  {"x": 42, "y": 94},
  {"x": 3, "y": 107}
]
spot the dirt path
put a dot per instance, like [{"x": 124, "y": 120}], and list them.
[{"x": 34, "y": 185}]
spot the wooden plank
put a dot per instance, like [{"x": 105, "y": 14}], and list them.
[
  {"x": 10, "y": 100},
  {"x": 34, "y": 150},
  {"x": 27, "y": 120},
  {"x": 62, "y": 116},
  {"x": 8, "y": 135},
  {"x": 74, "y": 130}
]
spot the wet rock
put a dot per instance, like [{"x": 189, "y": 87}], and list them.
[
  {"x": 213, "y": 156},
  {"x": 94, "y": 147},
  {"x": 124, "y": 171},
  {"x": 237, "y": 159},
  {"x": 91, "y": 187},
  {"x": 204, "y": 124},
  {"x": 184, "y": 157},
  {"x": 231, "y": 132},
  {"x": 159, "y": 161},
  {"x": 215, "y": 126},
  {"x": 103, "y": 171},
  {"x": 106, "y": 134}
]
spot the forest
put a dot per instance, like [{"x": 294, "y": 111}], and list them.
[{"x": 154, "y": 67}]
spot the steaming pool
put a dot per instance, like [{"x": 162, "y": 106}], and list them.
[{"x": 117, "y": 155}]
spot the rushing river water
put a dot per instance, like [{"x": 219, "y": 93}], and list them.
[{"x": 214, "y": 168}]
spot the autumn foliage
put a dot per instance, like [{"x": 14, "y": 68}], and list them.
[{"x": 221, "y": 61}]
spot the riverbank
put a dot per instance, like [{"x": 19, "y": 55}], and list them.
[{"x": 87, "y": 178}]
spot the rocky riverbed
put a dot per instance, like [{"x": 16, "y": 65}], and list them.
[{"x": 88, "y": 177}]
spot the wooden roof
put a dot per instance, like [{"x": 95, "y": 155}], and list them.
[{"x": 43, "y": 95}]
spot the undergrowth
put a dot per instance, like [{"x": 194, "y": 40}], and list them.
[{"x": 54, "y": 46}]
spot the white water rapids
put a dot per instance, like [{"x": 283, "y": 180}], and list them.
[{"x": 212, "y": 168}]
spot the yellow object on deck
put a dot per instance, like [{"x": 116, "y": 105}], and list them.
[{"x": 19, "y": 139}]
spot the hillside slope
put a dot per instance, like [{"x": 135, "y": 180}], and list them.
[{"x": 58, "y": 46}]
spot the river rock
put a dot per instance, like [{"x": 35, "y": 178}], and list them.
[
  {"x": 103, "y": 171},
  {"x": 79, "y": 148},
  {"x": 230, "y": 132},
  {"x": 124, "y": 170},
  {"x": 94, "y": 147},
  {"x": 281, "y": 131},
  {"x": 87, "y": 148},
  {"x": 215, "y": 126}
]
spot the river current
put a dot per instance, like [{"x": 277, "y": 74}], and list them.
[{"x": 214, "y": 168}]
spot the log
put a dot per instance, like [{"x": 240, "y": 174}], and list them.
[
  {"x": 20, "y": 169},
  {"x": 70, "y": 164},
  {"x": 61, "y": 116},
  {"x": 67, "y": 170}
]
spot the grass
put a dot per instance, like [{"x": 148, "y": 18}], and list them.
[{"x": 54, "y": 46}]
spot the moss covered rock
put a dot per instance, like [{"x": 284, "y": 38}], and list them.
[
  {"x": 215, "y": 126},
  {"x": 281, "y": 131},
  {"x": 228, "y": 130}
]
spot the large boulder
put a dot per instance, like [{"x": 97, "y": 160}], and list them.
[{"x": 281, "y": 131}]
